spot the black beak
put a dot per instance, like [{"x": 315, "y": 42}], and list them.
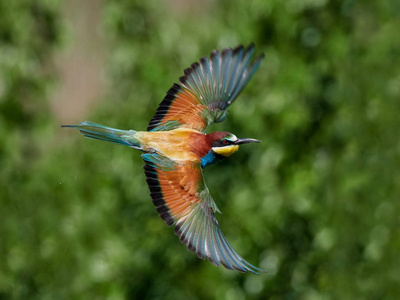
[{"x": 245, "y": 141}]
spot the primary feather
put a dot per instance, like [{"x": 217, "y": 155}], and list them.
[{"x": 206, "y": 90}]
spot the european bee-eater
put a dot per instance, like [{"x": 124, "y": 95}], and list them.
[{"x": 176, "y": 149}]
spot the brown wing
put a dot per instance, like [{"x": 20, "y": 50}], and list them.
[
  {"x": 206, "y": 90},
  {"x": 182, "y": 199}
]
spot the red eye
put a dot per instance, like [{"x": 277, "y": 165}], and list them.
[{"x": 225, "y": 142}]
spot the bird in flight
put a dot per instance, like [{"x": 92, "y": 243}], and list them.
[{"x": 176, "y": 149}]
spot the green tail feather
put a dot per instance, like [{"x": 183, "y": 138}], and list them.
[{"x": 100, "y": 132}]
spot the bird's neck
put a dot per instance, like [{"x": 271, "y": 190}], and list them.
[{"x": 210, "y": 158}]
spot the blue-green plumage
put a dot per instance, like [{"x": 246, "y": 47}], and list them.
[
  {"x": 210, "y": 158},
  {"x": 104, "y": 133}
]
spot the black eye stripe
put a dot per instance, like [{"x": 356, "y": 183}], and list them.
[{"x": 222, "y": 143}]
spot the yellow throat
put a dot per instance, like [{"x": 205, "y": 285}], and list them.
[{"x": 227, "y": 150}]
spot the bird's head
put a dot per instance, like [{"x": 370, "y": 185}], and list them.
[{"x": 223, "y": 144}]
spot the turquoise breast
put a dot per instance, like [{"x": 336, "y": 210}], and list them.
[{"x": 209, "y": 159}]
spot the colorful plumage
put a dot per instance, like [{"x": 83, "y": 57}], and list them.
[{"x": 177, "y": 149}]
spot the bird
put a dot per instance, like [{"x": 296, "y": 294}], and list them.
[{"x": 176, "y": 149}]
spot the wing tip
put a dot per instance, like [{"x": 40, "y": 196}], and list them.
[
  {"x": 234, "y": 262},
  {"x": 237, "y": 49},
  {"x": 232, "y": 51},
  {"x": 183, "y": 79},
  {"x": 213, "y": 54}
]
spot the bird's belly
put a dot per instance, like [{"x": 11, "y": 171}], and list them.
[
  {"x": 175, "y": 152},
  {"x": 175, "y": 144}
]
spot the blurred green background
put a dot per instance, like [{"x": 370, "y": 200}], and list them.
[{"x": 316, "y": 204}]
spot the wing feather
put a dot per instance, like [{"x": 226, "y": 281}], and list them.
[
  {"x": 182, "y": 199},
  {"x": 206, "y": 90}
]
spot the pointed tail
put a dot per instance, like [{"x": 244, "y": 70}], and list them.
[{"x": 100, "y": 132}]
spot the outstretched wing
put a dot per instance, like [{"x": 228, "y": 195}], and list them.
[
  {"x": 206, "y": 90},
  {"x": 182, "y": 199}
]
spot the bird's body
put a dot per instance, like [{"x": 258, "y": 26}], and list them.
[
  {"x": 188, "y": 144},
  {"x": 176, "y": 149}
]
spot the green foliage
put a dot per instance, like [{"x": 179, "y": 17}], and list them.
[{"x": 315, "y": 205}]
